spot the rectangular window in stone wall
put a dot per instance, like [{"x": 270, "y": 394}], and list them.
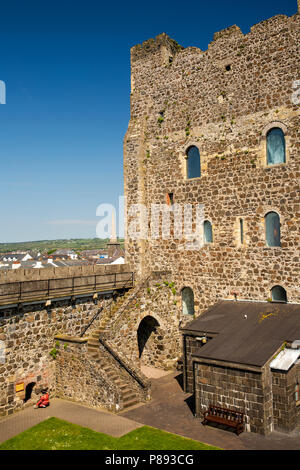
[
  {"x": 241, "y": 231},
  {"x": 297, "y": 394}
]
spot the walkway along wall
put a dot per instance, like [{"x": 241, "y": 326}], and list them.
[{"x": 27, "y": 331}]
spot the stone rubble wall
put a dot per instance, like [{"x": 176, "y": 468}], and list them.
[
  {"x": 26, "y": 334},
  {"x": 157, "y": 299},
  {"x": 236, "y": 389},
  {"x": 226, "y": 114},
  {"x": 80, "y": 379},
  {"x": 285, "y": 408},
  {"x": 125, "y": 369},
  {"x": 20, "y": 275}
]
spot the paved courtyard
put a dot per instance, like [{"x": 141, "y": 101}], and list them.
[
  {"x": 97, "y": 420},
  {"x": 170, "y": 409}
]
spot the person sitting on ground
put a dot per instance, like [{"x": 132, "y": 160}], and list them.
[{"x": 44, "y": 400}]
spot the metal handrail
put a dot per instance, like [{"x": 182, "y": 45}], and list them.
[
  {"x": 21, "y": 293},
  {"x": 106, "y": 306}
]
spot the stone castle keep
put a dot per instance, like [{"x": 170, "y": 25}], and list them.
[{"x": 217, "y": 128}]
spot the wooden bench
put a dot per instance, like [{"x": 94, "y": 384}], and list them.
[{"x": 231, "y": 418}]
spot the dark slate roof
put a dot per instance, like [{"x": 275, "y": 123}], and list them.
[{"x": 251, "y": 340}]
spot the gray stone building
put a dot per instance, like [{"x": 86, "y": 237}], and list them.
[
  {"x": 213, "y": 140},
  {"x": 219, "y": 130},
  {"x": 244, "y": 356}
]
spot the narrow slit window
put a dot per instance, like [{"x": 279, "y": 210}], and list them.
[
  {"x": 241, "y": 231},
  {"x": 297, "y": 390},
  {"x": 208, "y": 234},
  {"x": 170, "y": 199}
]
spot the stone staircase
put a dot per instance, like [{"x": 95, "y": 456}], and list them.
[
  {"x": 128, "y": 379},
  {"x": 109, "y": 313},
  {"x": 129, "y": 396}
]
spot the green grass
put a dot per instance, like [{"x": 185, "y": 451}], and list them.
[
  {"x": 76, "y": 244},
  {"x": 56, "y": 434}
]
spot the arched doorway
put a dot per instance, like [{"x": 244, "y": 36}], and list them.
[
  {"x": 28, "y": 391},
  {"x": 149, "y": 339}
]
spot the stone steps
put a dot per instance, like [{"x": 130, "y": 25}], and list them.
[
  {"x": 108, "y": 314},
  {"x": 129, "y": 396}
]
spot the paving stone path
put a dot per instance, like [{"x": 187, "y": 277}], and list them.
[
  {"x": 97, "y": 420},
  {"x": 170, "y": 409}
]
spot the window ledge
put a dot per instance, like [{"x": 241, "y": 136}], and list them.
[
  {"x": 272, "y": 247},
  {"x": 275, "y": 165},
  {"x": 193, "y": 179}
]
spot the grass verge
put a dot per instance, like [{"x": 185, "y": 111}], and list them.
[{"x": 56, "y": 434}]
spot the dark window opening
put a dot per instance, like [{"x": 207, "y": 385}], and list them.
[
  {"x": 208, "y": 235},
  {"x": 297, "y": 392},
  {"x": 228, "y": 67},
  {"x": 241, "y": 231},
  {"x": 169, "y": 199},
  {"x": 275, "y": 146},
  {"x": 278, "y": 294},
  {"x": 193, "y": 162},
  {"x": 187, "y": 299},
  {"x": 170, "y": 60},
  {"x": 272, "y": 227}
]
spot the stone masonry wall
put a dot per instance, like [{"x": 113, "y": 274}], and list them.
[
  {"x": 27, "y": 332},
  {"x": 27, "y": 335},
  {"x": 80, "y": 379},
  {"x": 285, "y": 408},
  {"x": 189, "y": 347},
  {"x": 223, "y": 100},
  {"x": 241, "y": 390},
  {"x": 154, "y": 304}
]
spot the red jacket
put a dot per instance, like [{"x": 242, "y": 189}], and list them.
[{"x": 44, "y": 400}]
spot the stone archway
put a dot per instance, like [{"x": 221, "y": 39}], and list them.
[
  {"x": 28, "y": 391},
  {"x": 150, "y": 342}
]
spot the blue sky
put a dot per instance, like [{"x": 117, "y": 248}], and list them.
[{"x": 66, "y": 66}]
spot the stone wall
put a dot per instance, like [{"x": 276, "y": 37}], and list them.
[
  {"x": 222, "y": 100},
  {"x": 189, "y": 346},
  {"x": 285, "y": 408},
  {"x": 150, "y": 319},
  {"x": 22, "y": 275},
  {"x": 238, "y": 389},
  {"x": 80, "y": 379},
  {"x": 21, "y": 285},
  {"x": 27, "y": 335}
]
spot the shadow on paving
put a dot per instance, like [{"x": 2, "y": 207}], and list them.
[{"x": 172, "y": 410}]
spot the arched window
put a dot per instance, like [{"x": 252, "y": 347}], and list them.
[
  {"x": 193, "y": 162},
  {"x": 278, "y": 294},
  {"x": 272, "y": 226},
  {"x": 187, "y": 298},
  {"x": 208, "y": 235},
  {"x": 275, "y": 146}
]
